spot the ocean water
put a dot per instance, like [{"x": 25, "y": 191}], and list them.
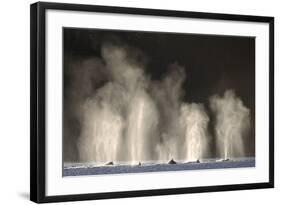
[{"x": 88, "y": 169}]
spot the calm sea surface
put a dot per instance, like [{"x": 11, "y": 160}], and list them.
[{"x": 78, "y": 170}]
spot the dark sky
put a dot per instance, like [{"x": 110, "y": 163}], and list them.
[{"x": 212, "y": 63}]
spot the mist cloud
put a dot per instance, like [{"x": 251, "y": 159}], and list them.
[
  {"x": 124, "y": 116},
  {"x": 232, "y": 124}
]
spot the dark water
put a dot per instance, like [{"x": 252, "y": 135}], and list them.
[{"x": 212, "y": 164}]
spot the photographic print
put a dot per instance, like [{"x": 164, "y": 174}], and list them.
[{"x": 136, "y": 102}]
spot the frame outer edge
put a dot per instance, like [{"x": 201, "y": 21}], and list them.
[
  {"x": 37, "y": 103},
  {"x": 33, "y": 103},
  {"x": 271, "y": 102},
  {"x": 41, "y": 102}
]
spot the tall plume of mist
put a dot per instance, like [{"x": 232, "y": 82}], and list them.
[
  {"x": 232, "y": 124},
  {"x": 183, "y": 134},
  {"x": 124, "y": 116},
  {"x": 119, "y": 121},
  {"x": 195, "y": 121},
  {"x": 168, "y": 94},
  {"x": 81, "y": 85}
]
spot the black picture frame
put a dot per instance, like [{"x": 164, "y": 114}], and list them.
[{"x": 38, "y": 101}]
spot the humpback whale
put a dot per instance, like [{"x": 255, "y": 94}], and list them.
[
  {"x": 109, "y": 163},
  {"x": 172, "y": 161}
]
